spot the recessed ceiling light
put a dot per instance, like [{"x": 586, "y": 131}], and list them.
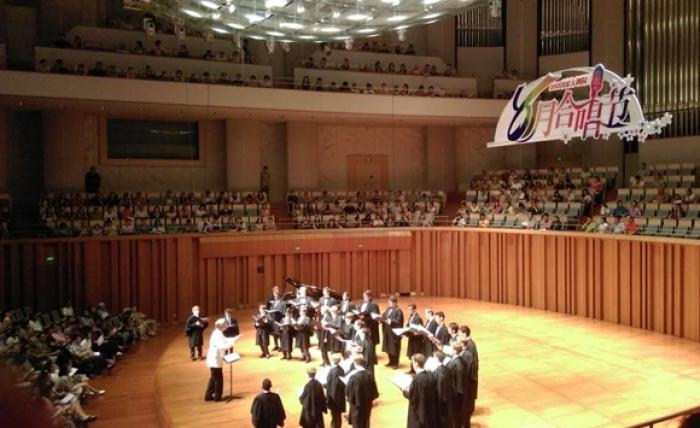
[
  {"x": 432, "y": 22},
  {"x": 253, "y": 36},
  {"x": 219, "y": 30},
  {"x": 341, "y": 38},
  {"x": 210, "y": 4},
  {"x": 236, "y": 26},
  {"x": 215, "y": 16},
  {"x": 329, "y": 29},
  {"x": 357, "y": 17},
  {"x": 305, "y": 37},
  {"x": 292, "y": 25},
  {"x": 275, "y": 33},
  {"x": 428, "y": 2},
  {"x": 366, "y": 30},
  {"x": 231, "y": 8},
  {"x": 253, "y": 18},
  {"x": 401, "y": 27},
  {"x": 275, "y": 3},
  {"x": 286, "y": 41},
  {"x": 396, "y": 18},
  {"x": 431, "y": 15},
  {"x": 192, "y": 13}
]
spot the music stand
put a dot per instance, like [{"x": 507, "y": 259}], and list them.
[{"x": 230, "y": 359}]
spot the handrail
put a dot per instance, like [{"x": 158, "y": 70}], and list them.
[{"x": 650, "y": 423}]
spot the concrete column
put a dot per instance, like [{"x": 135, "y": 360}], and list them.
[
  {"x": 302, "y": 156},
  {"x": 243, "y": 154},
  {"x": 440, "y": 155}
]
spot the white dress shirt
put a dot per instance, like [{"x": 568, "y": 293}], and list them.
[{"x": 218, "y": 345}]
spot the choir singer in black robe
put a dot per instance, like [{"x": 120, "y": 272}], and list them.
[
  {"x": 194, "y": 330},
  {"x": 313, "y": 402},
  {"x": 391, "y": 342},
  {"x": 263, "y": 329},
  {"x": 360, "y": 392},
  {"x": 232, "y": 329},
  {"x": 367, "y": 308},
  {"x": 267, "y": 410},
  {"x": 422, "y": 397},
  {"x": 444, "y": 381},
  {"x": 457, "y": 369},
  {"x": 335, "y": 391},
  {"x": 431, "y": 325},
  {"x": 367, "y": 349},
  {"x": 470, "y": 383}
]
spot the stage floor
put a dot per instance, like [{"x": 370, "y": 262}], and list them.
[{"x": 537, "y": 369}]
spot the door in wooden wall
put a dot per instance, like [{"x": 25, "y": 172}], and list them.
[{"x": 368, "y": 172}]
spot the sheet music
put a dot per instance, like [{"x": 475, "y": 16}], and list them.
[
  {"x": 346, "y": 378},
  {"x": 232, "y": 357},
  {"x": 375, "y": 316},
  {"x": 400, "y": 331},
  {"x": 73, "y": 371},
  {"x": 402, "y": 380}
]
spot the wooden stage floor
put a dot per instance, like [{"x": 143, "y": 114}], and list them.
[{"x": 538, "y": 369}]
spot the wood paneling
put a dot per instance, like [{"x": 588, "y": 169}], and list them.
[{"x": 652, "y": 283}]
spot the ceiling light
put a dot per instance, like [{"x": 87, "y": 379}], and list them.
[
  {"x": 372, "y": 35},
  {"x": 431, "y": 15},
  {"x": 336, "y": 14},
  {"x": 253, "y": 18},
  {"x": 276, "y": 33},
  {"x": 236, "y": 26},
  {"x": 286, "y": 41},
  {"x": 357, "y": 17},
  {"x": 329, "y": 29},
  {"x": 210, "y": 4},
  {"x": 300, "y": 8},
  {"x": 192, "y": 13},
  {"x": 432, "y": 21},
  {"x": 231, "y": 8},
  {"x": 396, "y": 18},
  {"x": 427, "y": 2},
  {"x": 305, "y": 37},
  {"x": 292, "y": 25},
  {"x": 215, "y": 15},
  {"x": 253, "y": 36},
  {"x": 341, "y": 38},
  {"x": 366, "y": 30},
  {"x": 219, "y": 30},
  {"x": 401, "y": 27}
]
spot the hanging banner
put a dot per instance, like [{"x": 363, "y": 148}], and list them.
[{"x": 584, "y": 102}]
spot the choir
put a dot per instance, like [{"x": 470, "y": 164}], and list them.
[{"x": 444, "y": 363}]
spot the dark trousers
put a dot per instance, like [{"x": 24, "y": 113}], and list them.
[
  {"x": 216, "y": 384},
  {"x": 393, "y": 359},
  {"x": 336, "y": 418},
  {"x": 199, "y": 351}
]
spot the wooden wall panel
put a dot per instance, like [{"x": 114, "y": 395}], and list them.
[{"x": 652, "y": 284}]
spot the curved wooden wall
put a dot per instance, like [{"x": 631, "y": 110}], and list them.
[{"x": 647, "y": 283}]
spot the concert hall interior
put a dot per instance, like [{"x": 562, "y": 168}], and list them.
[{"x": 388, "y": 213}]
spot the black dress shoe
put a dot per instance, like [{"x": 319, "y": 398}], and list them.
[{"x": 194, "y": 359}]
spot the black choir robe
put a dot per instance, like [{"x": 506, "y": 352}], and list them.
[
  {"x": 470, "y": 377},
  {"x": 335, "y": 390},
  {"x": 232, "y": 329},
  {"x": 368, "y": 352},
  {"x": 457, "y": 368},
  {"x": 391, "y": 343},
  {"x": 361, "y": 391},
  {"x": 330, "y": 343},
  {"x": 303, "y": 332},
  {"x": 443, "y": 378},
  {"x": 287, "y": 334},
  {"x": 431, "y": 326},
  {"x": 422, "y": 402},
  {"x": 313, "y": 405},
  {"x": 416, "y": 342},
  {"x": 471, "y": 347},
  {"x": 263, "y": 328},
  {"x": 267, "y": 411},
  {"x": 442, "y": 333},
  {"x": 348, "y": 333},
  {"x": 327, "y": 301},
  {"x": 346, "y": 306},
  {"x": 366, "y": 309},
  {"x": 195, "y": 332}
]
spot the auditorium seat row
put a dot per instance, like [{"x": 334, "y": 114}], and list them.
[{"x": 651, "y": 194}]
